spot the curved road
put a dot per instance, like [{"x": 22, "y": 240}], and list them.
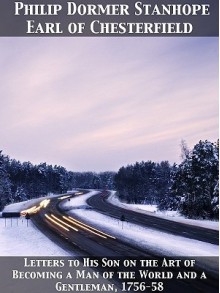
[
  {"x": 79, "y": 234},
  {"x": 100, "y": 203},
  {"x": 72, "y": 233}
]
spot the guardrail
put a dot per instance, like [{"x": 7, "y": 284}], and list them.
[{"x": 10, "y": 214}]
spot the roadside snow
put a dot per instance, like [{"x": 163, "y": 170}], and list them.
[
  {"x": 19, "y": 206},
  {"x": 18, "y": 239},
  {"x": 150, "y": 239},
  {"x": 77, "y": 202},
  {"x": 171, "y": 215}
]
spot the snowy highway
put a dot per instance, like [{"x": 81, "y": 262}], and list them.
[
  {"x": 74, "y": 231},
  {"x": 70, "y": 222},
  {"x": 100, "y": 203},
  {"x": 84, "y": 227},
  {"x": 90, "y": 240}
]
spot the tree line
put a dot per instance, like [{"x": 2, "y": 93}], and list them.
[
  {"x": 190, "y": 187},
  {"x": 23, "y": 181}
]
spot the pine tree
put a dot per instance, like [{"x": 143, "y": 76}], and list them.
[
  {"x": 196, "y": 181},
  {"x": 5, "y": 184}
]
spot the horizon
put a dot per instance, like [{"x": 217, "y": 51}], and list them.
[{"x": 92, "y": 171}]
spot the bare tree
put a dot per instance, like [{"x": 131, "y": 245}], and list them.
[{"x": 185, "y": 151}]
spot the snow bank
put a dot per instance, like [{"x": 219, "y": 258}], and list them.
[
  {"x": 78, "y": 201},
  {"x": 18, "y": 239},
  {"x": 149, "y": 239},
  {"x": 170, "y": 215},
  {"x": 19, "y": 206},
  {"x": 145, "y": 238}
]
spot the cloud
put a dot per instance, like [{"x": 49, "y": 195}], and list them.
[{"x": 82, "y": 102}]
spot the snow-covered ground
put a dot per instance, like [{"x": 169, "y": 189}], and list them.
[
  {"x": 171, "y": 215},
  {"x": 19, "y": 239},
  {"x": 19, "y": 206},
  {"x": 150, "y": 239}
]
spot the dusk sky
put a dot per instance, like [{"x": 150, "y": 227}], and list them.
[{"x": 96, "y": 104}]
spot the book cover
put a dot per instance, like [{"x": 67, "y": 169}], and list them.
[{"x": 109, "y": 146}]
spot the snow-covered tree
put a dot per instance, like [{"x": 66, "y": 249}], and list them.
[
  {"x": 196, "y": 181},
  {"x": 5, "y": 184},
  {"x": 143, "y": 182}
]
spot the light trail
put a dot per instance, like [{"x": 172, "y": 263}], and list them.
[
  {"x": 64, "y": 223},
  {"x": 64, "y": 197},
  {"x": 30, "y": 211},
  {"x": 33, "y": 210},
  {"x": 85, "y": 228},
  {"x": 88, "y": 228},
  {"x": 44, "y": 203},
  {"x": 55, "y": 222}
]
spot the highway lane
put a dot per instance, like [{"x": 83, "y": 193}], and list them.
[
  {"x": 72, "y": 233},
  {"x": 88, "y": 239},
  {"x": 100, "y": 203}
]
